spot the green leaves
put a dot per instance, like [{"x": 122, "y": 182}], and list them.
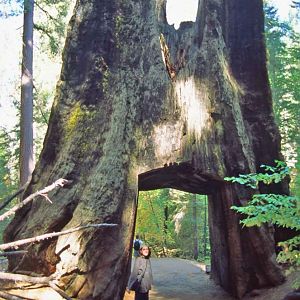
[
  {"x": 277, "y": 209},
  {"x": 52, "y": 23},
  {"x": 272, "y": 174},
  {"x": 283, "y": 49},
  {"x": 291, "y": 254},
  {"x": 7, "y": 184},
  {"x": 166, "y": 220},
  {"x": 282, "y": 210}
]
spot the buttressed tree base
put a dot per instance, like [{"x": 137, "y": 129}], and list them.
[{"x": 139, "y": 106}]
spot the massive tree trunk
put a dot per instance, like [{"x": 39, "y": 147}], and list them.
[{"x": 140, "y": 106}]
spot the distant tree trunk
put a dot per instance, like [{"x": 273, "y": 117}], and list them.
[
  {"x": 195, "y": 228},
  {"x": 205, "y": 228},
  {"x": 26, "y": 122},
  {"x": 166, "y": 216},
  {"x": 141, "y": 106}
]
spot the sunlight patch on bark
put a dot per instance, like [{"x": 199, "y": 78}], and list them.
[
  {"x": 237, "y": 87},
  {"x": 192, "y": 104},
  {"x": 192, "y": 101},
  {"x": 68, "y": 248},
  {"x": 167, "y": 140}
]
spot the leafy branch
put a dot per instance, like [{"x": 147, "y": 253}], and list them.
[
  {"x": 277, "y": 209},
  {"x": 271, "y": 175},
  {"x": 282, "y": 210}
]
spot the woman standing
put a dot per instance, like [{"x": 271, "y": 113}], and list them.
[{"x": 142, "y": 275}]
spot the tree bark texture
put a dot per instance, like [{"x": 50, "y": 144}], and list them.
[{"x": 140, "y": 106}]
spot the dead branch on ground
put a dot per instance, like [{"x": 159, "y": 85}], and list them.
[
  {"x": 25, "y": 278},
  {"x": 58, "y": 290},
  {"x": 48, "y": 281},
  {"x": 11, "y": 297}
]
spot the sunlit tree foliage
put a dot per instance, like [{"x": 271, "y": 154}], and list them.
[
  {"x": 166, "y": 221},
  {"x": 283, "y": 46}
]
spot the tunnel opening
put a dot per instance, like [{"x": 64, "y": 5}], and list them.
[
  {"x": 203, "y": 188},
  {"x": 174, "y": 224}
]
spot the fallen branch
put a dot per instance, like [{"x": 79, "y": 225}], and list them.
[
  {"x": 49, "y": 281},
  {"x": 25, "y": 278},
  {"x": 60, "y": 182},
  {"x": 10, "y": 297},
  {"x": 9, "y": 253},
  {"x": 59, "y": 291},
  {"x": 38, "y": 238}
]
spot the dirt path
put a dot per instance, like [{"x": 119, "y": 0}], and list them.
[{"x": 180, "y": 279}]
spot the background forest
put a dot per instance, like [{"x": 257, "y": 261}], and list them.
[{"x": 172, "y": 222}]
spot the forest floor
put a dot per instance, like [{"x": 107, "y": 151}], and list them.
[{"x": 180, "y": 279}]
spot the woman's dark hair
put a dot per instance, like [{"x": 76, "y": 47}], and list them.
[{"x": 149, "y": 253}]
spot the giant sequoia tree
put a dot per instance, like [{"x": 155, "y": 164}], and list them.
[{"x": 139, "y": 106}]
